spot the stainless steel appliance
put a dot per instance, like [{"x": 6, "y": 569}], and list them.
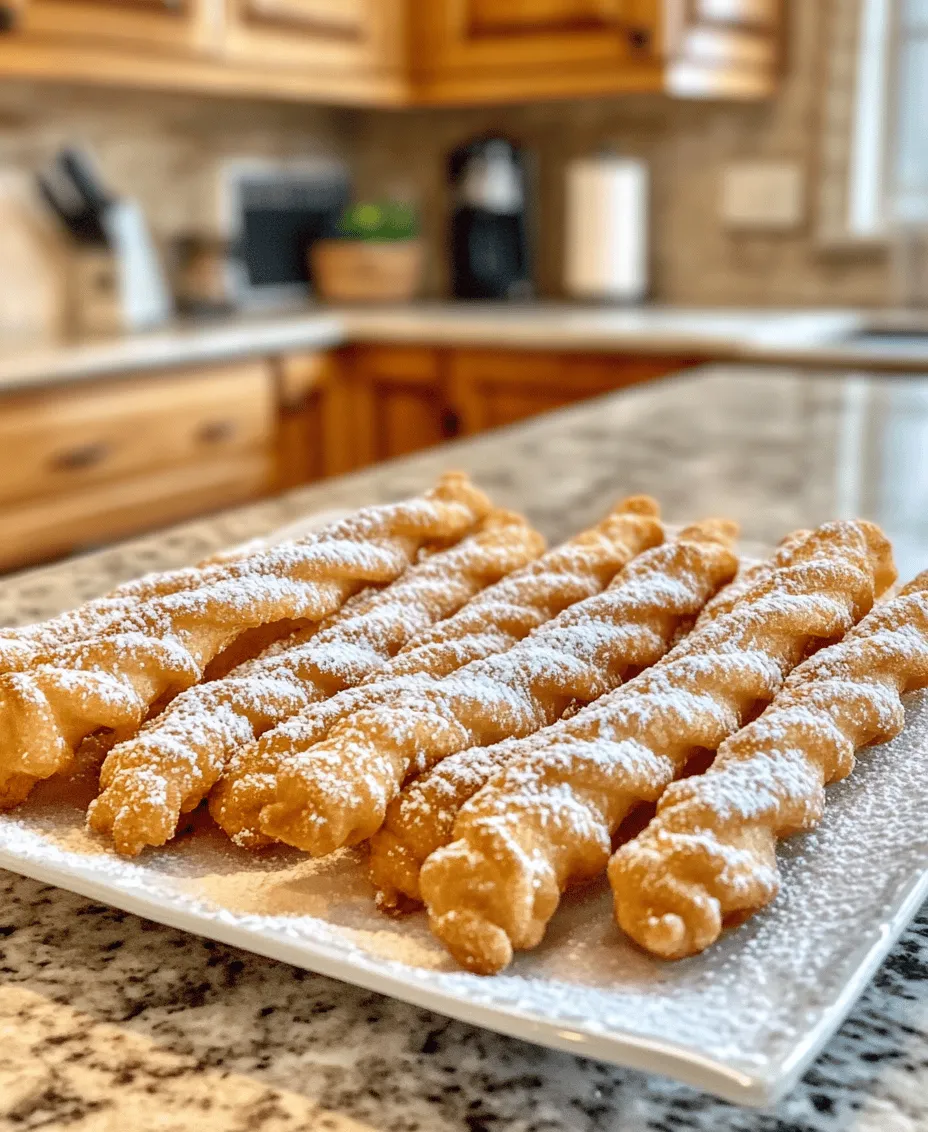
[
  {"x": 270, "y": 212},
  {"x": 489, "y": 223}
]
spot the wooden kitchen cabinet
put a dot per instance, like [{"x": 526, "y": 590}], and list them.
[
  {"x": 95, "y": 461},
  {"x": 723, "y": 48},
  {"x": 491, "y": 388},
  {"x": 315, "y": 435},
  {"x": 487, "y": 50},
  {"x": 398, "y": 401},
  {"x": 360, "y": 39},
  {"x": 315, "y": 50},
  {"x": 401, "y": 52},
  {"x": 90, "y": 463},
  {"x": 501, "y": 50},
  {"x": 145, "y": 25}
]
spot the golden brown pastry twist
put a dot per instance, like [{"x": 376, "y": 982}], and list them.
[
  {"x": 491, "y": 623},
  {"x": 26, "y": 645},
  {"x": 338, "y": 793},
  {"x": 591, "y": 649},
  {"x": 547, "y": 820},
  {"x": 164, "y": 643},
  {"x": 709, "y": 857},
  {"x": 170, "y": 766}
]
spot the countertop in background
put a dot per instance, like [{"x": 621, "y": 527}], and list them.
[
  {"x": 714, "y": 334},
  {"x": 109, "y": 1021}
]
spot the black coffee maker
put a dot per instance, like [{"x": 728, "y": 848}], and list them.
[{"x": 489, "y": 231}]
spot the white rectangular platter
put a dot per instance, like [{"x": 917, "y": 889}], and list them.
[{"x": 742, "y": 1021}]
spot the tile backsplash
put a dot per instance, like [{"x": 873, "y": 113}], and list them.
[{"x": 164, "y": 149}]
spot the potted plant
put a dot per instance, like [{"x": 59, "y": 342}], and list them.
[{"x": 376, "y": 256}]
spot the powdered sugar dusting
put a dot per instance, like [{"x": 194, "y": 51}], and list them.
[
  {"x": 748, "y": 1007},
  {"x": 189, "y": 743}
]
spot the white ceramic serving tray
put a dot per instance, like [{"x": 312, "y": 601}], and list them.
[{"x": 741, "y": 1021}]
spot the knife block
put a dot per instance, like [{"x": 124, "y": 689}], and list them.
[
  {"x": 119, "y": 286},
  {"x": 96, "y": 307}
]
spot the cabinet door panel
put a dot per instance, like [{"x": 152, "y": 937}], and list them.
[
  {"x": 315, "y": 433},
  {"x": 398, "y": 400},
  {"x": 470, "y": 35},
  {"x": 178, "y": 25},
  {"x": 338, "y": 35},
  {"x": 724, "y": 47},
  {"x": 489, "y": 389}
]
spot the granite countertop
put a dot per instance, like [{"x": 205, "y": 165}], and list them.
[
  {"x": 109, "y": 1021},
  {"x": 713, "y": 334}
]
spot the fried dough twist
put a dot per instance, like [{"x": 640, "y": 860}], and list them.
[
  {"x": 589, "y": 650},
  {"x": 164, "y": 643},
  {"x": 26, "y": 645},
  {"x": 547, "y": 820},
  {"x": 170, "y": 766},
  {"x": 709, "y": 857},
  {"x": 491, "y": 623},
  {"x": 339, "y": 792}
]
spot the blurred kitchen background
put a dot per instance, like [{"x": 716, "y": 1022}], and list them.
[{"x": 245, "y": 244}]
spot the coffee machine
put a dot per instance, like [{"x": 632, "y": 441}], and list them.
[{"x": 489, "y": 230}]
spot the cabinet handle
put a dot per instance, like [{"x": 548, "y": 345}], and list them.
[
  {"x": 79, "y": 459},
  {"x": 639, "y": 39},
  {"x": 215, "y": 432},
  {"x": 450, "y": 424}
]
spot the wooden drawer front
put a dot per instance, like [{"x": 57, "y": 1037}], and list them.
[
  {"x": 43, "y": 529},
  {"x": 61, "y": 440}
]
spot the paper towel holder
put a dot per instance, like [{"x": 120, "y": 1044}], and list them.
[{"x": 606, "y": 251}]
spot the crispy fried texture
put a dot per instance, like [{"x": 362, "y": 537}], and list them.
[
  {"x": 339, "y": 792},
  {"x": 547, "y": 820},
  {"x": 709, "y": 857},
  {"x": 163, "y": 643},
  {"x": 493, "y": 622},
  {"x": 22, "y": 647},
  {"x": 170, "y": 766},
  {"x": 589, "y": 650}
]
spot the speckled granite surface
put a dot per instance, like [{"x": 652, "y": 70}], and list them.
[{"x": 111, "y": 1022}]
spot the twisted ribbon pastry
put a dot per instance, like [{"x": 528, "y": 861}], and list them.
[
  {"x": 339, "y": 792},
  {"x": 589, "y": 650},
  {"x": 491, "y": 623},
  {"x": 709, "y": 857},
  {"x": 26, "y": 645},
  {"x": 163, "y": 644},
  {"x": 170, "y": 766},
  {"x": 547, "y": 820}
]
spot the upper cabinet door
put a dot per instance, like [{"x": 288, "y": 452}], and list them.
[
  {"x": 175, "y": 25},
  {"x": 533, "y": 48},
  {"x": 361, "y": 36},
  {"x": 724, "y": 48}
]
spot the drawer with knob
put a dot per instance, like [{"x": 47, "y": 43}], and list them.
[{"x": 57, "y": 441}]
